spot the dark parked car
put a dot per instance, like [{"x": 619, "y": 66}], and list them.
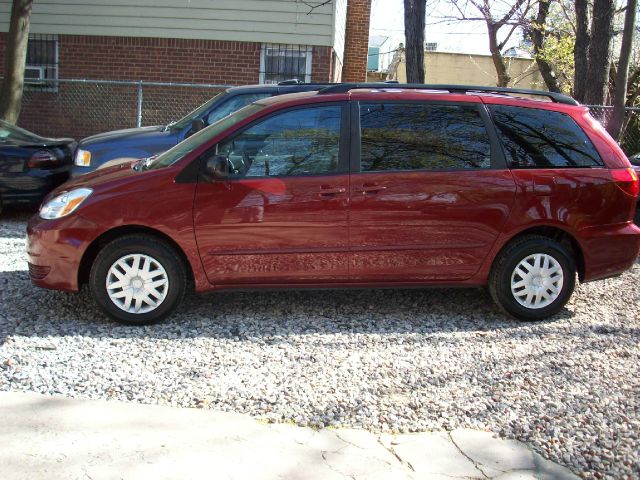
[
  {"x": 31, "y": 166},
  {"x": 145, "y": 142},
  {"x": 635, "y": 163},
  {"x": 353, "y": 186}
]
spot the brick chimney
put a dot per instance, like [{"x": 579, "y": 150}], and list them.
[{"x": 356, "y": 44}]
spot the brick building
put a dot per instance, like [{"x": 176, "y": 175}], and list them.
[{"x": 230, "y": 42}]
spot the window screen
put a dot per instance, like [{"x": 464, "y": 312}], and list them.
[
  {"x": 534, "y": 138},
  {"x": 417, "y": 136}
]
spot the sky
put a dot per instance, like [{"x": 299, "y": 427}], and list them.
[{"x": 387, "y": 19}]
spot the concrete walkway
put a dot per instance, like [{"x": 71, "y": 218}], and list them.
[{"x": 49, "y": 437}]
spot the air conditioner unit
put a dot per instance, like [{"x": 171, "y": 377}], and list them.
[{"x": 34, "y": 75}]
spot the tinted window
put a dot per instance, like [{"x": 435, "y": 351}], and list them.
[
  {"x": 535, "y": 138},
  {"x": 422, "y": 137},
  {"x": 298, "y": 142}
]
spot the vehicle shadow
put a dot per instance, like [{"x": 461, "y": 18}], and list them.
[{"x": 26, "y": 310}]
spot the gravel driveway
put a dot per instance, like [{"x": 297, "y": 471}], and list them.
[{"x": 384, "y": 360}]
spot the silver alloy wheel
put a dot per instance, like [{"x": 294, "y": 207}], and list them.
[
  {"x": 137, "y": 283},
  {"x": 536, "y": 282}
]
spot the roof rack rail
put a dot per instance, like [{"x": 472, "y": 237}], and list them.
[{"x": 555, "y": 97}]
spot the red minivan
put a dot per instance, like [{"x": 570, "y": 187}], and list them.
[{"x": 353, "y": 186}]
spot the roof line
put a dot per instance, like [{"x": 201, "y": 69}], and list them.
[{"x": 555, "y": 97}]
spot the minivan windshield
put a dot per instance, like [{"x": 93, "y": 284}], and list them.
[{"x": 194, "y": 141}]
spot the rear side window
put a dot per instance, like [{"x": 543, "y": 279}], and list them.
[
  {"x": 535, "y": 138},
  {"x": 414, "y": 136}
]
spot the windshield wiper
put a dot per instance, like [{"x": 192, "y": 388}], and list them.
[{"x": 169, "y": 125}]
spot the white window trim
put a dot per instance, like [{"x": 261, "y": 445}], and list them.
[{"x": 308, "y": 57}]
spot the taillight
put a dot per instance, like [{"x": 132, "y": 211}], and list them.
[
  {"x": 627, "y": 180},
  {"x": 42, "y": 158}
]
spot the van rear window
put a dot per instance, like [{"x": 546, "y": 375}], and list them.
[{"x": 535, "y": 138}]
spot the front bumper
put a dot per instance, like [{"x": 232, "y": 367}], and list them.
[{"x": 55, "y": 249}]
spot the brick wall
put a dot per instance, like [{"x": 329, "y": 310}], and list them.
[
  {"x": 356, "y": 45},
  {"x": 81, "y": 110},
  {"x": 159, "y": 59}
]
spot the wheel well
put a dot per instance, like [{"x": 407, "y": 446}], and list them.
[
  {"x": 92, "y": 251},
  {"x": 562, "y": 237}
]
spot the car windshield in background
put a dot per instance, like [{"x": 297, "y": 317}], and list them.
[
  {"x": 197, "y": 113},
  {"x": 11, "y": 133},
  {"x": 187, "y": 146}
]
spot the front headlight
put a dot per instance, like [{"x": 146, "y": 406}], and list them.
[
  {"x": 64, "y": 204},
  {"x": 83, "y": 158}
]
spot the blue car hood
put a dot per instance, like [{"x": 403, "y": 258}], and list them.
[{"x": 128, "y": 134}]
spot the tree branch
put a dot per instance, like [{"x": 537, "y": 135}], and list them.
[{"x": 313, "y": 6}]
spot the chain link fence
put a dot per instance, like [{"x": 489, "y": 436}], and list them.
[
  {"x": 630, "y": 135},
  {"x": 79, "y": 108}
]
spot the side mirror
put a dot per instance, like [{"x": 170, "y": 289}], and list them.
[
  {"x": 197, "y": 124},
  {"x": 218, "y": 167}
]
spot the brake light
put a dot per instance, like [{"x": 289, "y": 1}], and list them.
[
  {"x": 42, "y": 158},
  {"x": 627, "y": 180}
]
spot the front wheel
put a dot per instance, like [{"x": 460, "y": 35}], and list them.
[
  {"x": 532, "y": 278},
  {"x": 138, "y": 279}
]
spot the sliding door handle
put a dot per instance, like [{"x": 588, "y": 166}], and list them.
[{"x": 327, "y": 191}]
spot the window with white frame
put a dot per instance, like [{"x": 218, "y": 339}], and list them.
[
  {"x": 42, "y": 62},
  {"x": 285, "y": 62}
]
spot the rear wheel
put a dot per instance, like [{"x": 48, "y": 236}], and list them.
[
  {"x": 138, "y": 279},
  {"x": 532, "y": 278}
]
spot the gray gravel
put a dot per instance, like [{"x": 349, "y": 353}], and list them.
[{"x": 384, "y": 360}]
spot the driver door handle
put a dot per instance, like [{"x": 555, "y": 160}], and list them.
[{"x": 369, "y": 188}]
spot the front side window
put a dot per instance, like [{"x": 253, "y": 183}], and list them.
[
  {"x": 304, "y": 141},
  {"x": 417, "y": 136},
  {"x": 535, "y": 138}
]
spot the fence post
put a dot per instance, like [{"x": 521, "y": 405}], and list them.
[{"x": 139, "y": 116}]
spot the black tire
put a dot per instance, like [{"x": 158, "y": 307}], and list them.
[
  {"x": 504, "y": 265},
  {"x": 160, "y": 252}
]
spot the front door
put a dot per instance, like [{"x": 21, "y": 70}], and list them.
[
  {"x": 431, "y": 196},
  {"x": 282, "y": 216}
]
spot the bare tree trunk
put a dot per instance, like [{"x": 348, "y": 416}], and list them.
[
  {"x": 15, "y": 59},
  {"x": 538, "y": 36},
  {"x": 414, "y": 22},
  {"x": 614, "y": 126},
  {"x": 599, "y": 52},
  {"x": 580, "y": 50},
  {"x": 496, "y": 55}
]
